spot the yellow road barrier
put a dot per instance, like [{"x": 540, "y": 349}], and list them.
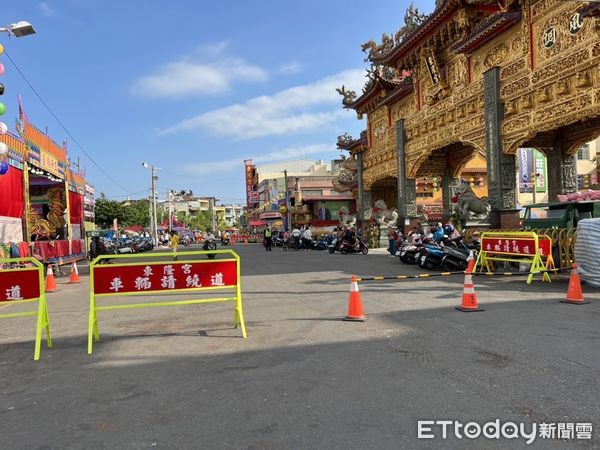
[
  {"x": 517, "y": 247},
  {"x": 20, "y": 285},
  {"x": 145, "y": 277}
]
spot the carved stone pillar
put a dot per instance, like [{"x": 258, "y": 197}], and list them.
[
  {"x": 562, "y": 171},
  {"x": 449, "y": 184},
  {"x": 501, "y": 168},
  {"x": 360, "y": 201},
  {"x": 407, "y": 189}
]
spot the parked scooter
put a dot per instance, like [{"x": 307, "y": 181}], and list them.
[
  {"x": 456, "y": 258},
  {"x": 408, "y": 251},
  {"x": 358, "y": 246},
  {"x": 321, "y": 244},
  {"x": 334, "y": 245},
  {"x": 430, "y": 255}
]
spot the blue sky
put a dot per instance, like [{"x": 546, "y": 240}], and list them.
[{"x": 193, "y": 87}]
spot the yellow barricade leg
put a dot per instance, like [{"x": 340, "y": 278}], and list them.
[
  {"x": 238, "y": 316},
  {"x": 93, "y": 332},
  {"x": 42, "y": 323}
]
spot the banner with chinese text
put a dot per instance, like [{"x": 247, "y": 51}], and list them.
[{"x": 152, "y": 277}]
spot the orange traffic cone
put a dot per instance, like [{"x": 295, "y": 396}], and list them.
[
  {"x": 574, "y": 293},
  {"x": 74, "y": 274},
  {"x": 51, "y": 281},
  {"x": 469, "y": 297},
  {"x": 355, "y": 308}
]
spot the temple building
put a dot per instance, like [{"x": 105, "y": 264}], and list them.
[
  {"x": 509, "y": 83},
  {"x": 42, "y": 203}
]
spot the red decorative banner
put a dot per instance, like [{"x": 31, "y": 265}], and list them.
[
  {"x": 152, "y": 277},
  {"x": 249, "y": 170},
  {"x": 516, "y": 246},
  {"x": 19, "y": 284}
]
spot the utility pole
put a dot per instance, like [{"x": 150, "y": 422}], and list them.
[
  {"x": 154, "y": 220},
  {"x": 211, "y": 205},
  {"x": 288, "y": 220},
  {"x": 170, "y": 198}
]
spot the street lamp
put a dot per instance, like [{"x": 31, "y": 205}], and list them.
[
  {"x": 154, "y": 227},
  {"x": 19, "y": 29}
]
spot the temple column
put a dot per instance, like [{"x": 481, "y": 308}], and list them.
[
  {"x": 562, "y": 171},
  {"x": 407, "y": 189},
  {"x": 501, "y": 168},
  {"x": 360, "y": 201},
  {"x": 449, "y": 184}
]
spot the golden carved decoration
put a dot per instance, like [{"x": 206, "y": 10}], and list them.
[
  {"x": 509, "y": 108},
  {"x": 549, "y": 89},
  {"x": 526, "y": 102},
  {"x": 562, "y": 87},
  {"x": 582, "y": 80},
  {"x": 543, "y": 95},
  {"x": 496, "y": 56}
]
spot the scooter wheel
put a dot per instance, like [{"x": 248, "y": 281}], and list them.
[
  {"x": 332, "y": 250},
  {"x": 365, "y": 250},
  {"x": 343, "y": 251}
]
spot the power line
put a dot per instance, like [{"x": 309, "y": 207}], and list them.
[{"x": 63, "y": 126}]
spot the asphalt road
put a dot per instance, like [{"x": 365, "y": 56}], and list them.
[{"x": 182, "y": 377}]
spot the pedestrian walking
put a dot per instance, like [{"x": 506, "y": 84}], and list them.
[
  {"x": 268, "y": 238},
  {"x": 174, "y": 242}
]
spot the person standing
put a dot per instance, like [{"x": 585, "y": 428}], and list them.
[
  {"x": 296, "y": 234},
  {"x": 307, "y": 238},
  {"x": 392, "y": 239},
  {"x": 174, "y": 242},
  {"x": 268, "y": 238}
]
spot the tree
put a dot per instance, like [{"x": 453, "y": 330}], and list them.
[{"x": 132, "y": 212}]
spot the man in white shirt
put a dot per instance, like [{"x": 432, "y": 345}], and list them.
[
  {"x": 307, "y": 238},
  {"x": 296, "y": 235}
]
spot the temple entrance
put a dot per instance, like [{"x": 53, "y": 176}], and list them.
[
  {"x": 442, "y": 173},
  {"x": 385, "y": 189},
  {"x": 571, "y": 165}
]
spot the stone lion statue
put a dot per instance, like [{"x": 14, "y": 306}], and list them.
[
  {"x": 383, "y": 215},
  {"x": 470, "y": 207},
  {"x": 346, "y": 219}
]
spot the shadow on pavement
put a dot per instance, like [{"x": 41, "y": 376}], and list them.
[{"x": 525, "y": 361}]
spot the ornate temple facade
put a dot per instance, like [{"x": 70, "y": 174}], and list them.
[{"x": 477, "y": 78}]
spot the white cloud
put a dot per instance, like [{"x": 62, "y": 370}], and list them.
[
  {"x": 46, "y": 10},
  {"x": 290, "y": 68},
  {"x": 277, "y": 155},
  {"x": 209, "y": 71},
  {"x": 289, "y": 111}
]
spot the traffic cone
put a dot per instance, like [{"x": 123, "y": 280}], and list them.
[
  {"x": 245, "y": 239},
  {"x": 574, "y": 293},
  {"x": 469, "y": 297},
  {"x": 355, "y": 308},
  {"x": 51, "y": 281},
  {"x": 74, "y": 274}
]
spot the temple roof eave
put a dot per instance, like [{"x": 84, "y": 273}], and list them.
[
  {"x": 411, "y": 42},
  {"x": 486, "y": 30}
]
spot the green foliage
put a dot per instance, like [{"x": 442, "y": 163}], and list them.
[{"x": 132, "y": 212}]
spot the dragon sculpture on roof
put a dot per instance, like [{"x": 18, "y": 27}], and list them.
[{"x": 413, "y": 19}]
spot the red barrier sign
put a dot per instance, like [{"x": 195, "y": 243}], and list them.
[
  {"x": 119, "y": 279},
  {"x": 516, "y": 246},
  {"x": 21, "y": 284}
]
